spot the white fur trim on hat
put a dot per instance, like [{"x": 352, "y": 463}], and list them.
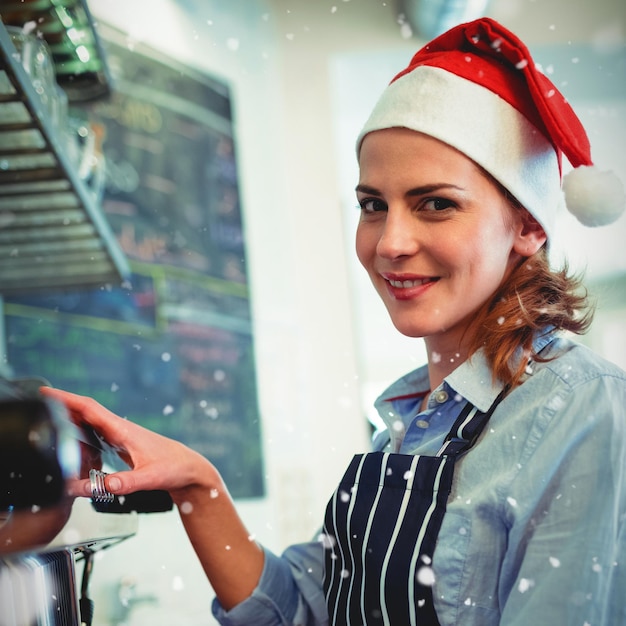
[{"x": 481, "y": 125}]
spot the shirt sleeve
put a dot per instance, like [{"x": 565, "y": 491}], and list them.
[
  {"x": 289, "y": 592},
  {"x": 566, "y": 512}
]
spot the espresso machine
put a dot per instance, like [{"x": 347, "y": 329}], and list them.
[{"x": 47, "y": 539}]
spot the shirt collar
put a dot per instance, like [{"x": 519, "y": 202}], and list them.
[{"x": 472, "y": 380}]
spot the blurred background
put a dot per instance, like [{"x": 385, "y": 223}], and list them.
[{"x": 300, "y": 79}]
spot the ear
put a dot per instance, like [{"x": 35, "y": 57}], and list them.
[{"x": 529, "y": 236}]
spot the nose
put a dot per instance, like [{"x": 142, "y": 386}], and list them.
[{"x": 398, "y": 237}]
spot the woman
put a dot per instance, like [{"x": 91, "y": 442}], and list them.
[{"x": 497, "y": 495}]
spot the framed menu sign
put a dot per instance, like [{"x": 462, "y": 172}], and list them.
[{"x": 172, "y": 348}]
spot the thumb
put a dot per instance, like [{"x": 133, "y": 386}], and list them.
[
  {"x": 115, "y": 484},
  {"x": 130, "y": 481}
]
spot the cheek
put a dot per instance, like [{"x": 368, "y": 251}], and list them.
[
  {"x": 487, "y": 260},
  {"x": 490, "y": 244},
  {"x": 365, "y": 245}
]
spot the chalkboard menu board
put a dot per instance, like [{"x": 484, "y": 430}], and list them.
[{"x": 171, "y": 348}]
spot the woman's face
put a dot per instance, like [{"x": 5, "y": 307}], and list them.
[{"x": 436, "y": 236}]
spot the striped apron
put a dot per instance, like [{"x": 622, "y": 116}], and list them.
[{"x": 381, "y": 527}]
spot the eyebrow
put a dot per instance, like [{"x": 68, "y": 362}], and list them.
[{"x": 416, "y": 191}]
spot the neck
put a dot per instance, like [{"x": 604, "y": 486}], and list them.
[{"x": 442, "y": 360}]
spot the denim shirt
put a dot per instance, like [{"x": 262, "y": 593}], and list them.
[{"x": 535, "y": 527}]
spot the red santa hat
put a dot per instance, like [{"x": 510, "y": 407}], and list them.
[{"x": 477, "y": 88}]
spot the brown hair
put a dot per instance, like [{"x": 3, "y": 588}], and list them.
[{"x": 532, "y": 298}]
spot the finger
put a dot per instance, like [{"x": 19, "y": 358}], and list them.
[
  {"x": 76, "y": 488},
  {"x": 86, "y": 410},
  {"x": 82, "y": 406},
  {"x": 123, "y": 483}
]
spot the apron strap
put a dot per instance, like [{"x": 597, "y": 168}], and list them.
[{"x": 466, "y": 429}]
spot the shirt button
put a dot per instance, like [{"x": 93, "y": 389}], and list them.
[
  {"x": 441, "y": 396},
  {"x": 421, "y": 423}
]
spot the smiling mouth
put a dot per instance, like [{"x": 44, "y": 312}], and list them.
[{"x": 408, "y": 284}]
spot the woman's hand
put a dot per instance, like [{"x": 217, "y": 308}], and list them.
[
  {"x": 156, "y": 462},
  {"x": 233, "y": 562}
]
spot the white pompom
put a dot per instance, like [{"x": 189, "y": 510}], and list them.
[{"x": 594, "y": 197}]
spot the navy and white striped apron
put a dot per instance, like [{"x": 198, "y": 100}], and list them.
[{"x": 381, "y": 526}]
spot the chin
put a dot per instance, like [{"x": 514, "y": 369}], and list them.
[{"x": 410, "y": 330}]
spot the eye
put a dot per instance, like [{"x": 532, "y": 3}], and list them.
[
  {"x": 437, "y": 204},
  {"x": 372, "y": 205}
]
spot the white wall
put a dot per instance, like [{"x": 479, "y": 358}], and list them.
[{"x": 303, "y": 75}]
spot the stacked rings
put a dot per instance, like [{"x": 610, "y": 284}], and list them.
[{"x": 99, "y": 491}]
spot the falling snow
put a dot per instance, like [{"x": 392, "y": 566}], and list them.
[
  {"x": 426, "y": 576},
  {"x": 406, "y": 32},
  {"x": 327, "y": 541},
  {"x": 555, "y": 403}
]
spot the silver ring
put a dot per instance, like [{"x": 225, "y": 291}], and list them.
[{"x": 99, "y": 491}]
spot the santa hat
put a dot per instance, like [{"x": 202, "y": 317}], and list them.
[{"x": 476, "y": 88}]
